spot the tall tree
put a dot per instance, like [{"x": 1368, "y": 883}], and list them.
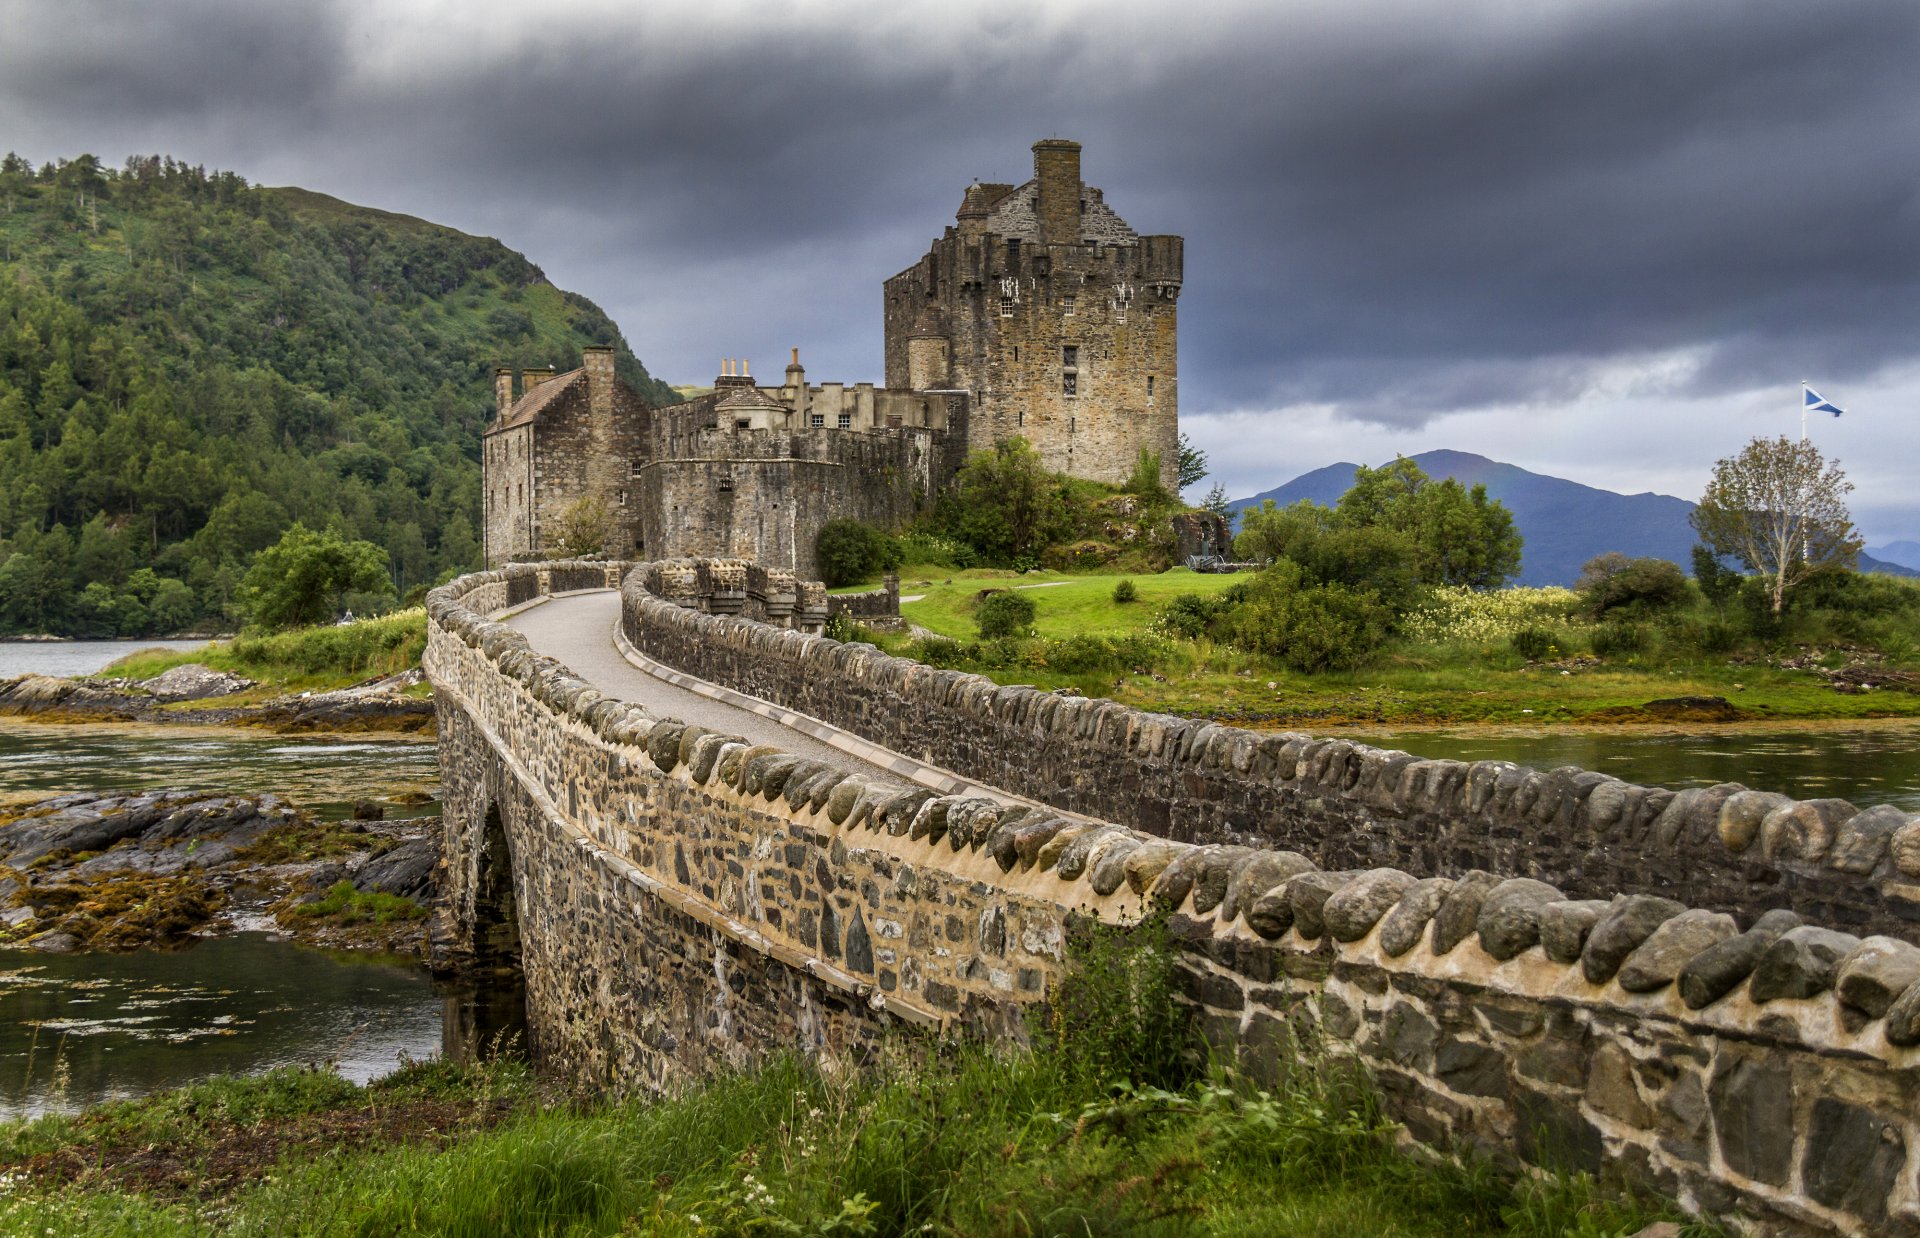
[{"x": 1780, "y": 508}]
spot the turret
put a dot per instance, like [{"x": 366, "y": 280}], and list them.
[{"x": 1056, "y": 166}]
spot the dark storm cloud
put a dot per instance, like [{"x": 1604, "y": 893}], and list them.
[{"x": 1395, "y": 209}]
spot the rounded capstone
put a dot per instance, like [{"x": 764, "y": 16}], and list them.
[
  {"x": 846, "y": 794},
  {"x": 1216, "y": 869},
  {"x": 1629, "y": 921},
  {"x": 1877, "y": 971},
  {"x": 1719, "y": 969},
  {"x": 1256, "y": 875},
  {"x": 1147, "y": 863},
  {"x": 1110, "y": 869},
  {"x": 1564, "y": 927},
  {"x": 1270, "y": 913},
  {"x": 1075, "y": 857},
  {"x": 1803, "y": 831},
  {"x": 1459, "y": 911},
  {"x": 1742, "y": 814},
  {"x": 1402, "y": 927},
  {"x": 1864, "y": 839},
  {"x": 1657, "y": 961},
  {"x": 1309, "y": 893},
  {"x": 1352, "y": 911},
  {"x": 1903, "y": 1018},
  {"x": 1801, "y": 963},
  {"x": 1055, "y": 848},
  {"x": 1509, "y": 920}
]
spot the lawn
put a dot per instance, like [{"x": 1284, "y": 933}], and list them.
[
  {"x": 301, "y": 659},
  {"x": 1066, "y": 605}
]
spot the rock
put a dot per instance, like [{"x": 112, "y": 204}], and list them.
[
  {"x": 1877, "y": 971},
  {"x": 1903, "y": 1018},
  {"x": 1271, "y": 914},
  {"x": 1802, "y": 963},
  {"x": 1404, "y": 926},
  {"x": 406, "y": 871},
  {"x": 1564, "y": 927},
  {"x": 1741, "y": 815},
  {"x": 1803, "y": 831},
  {"x": 1109, "y": 870},
  {"x": 368, "y": 810},
  {"x": 1459, "y": 910},
  {"x": 194, "y": 682},
  {"x": 1853, "y": 1160},
  {"x": 1257, "y": 874},
  {"x": 55, "y": 943},
  {"x": 1658, "y": 959},
  {"x": 1719, "y": 969},
  {"x": 1356, "y": 907},
  {"x": 1864, "y": 838},
  {"x": 1147, "y": 863},
  {"x": 1309, "y": 893},
  {"x": 1752, "y": 1103},
  {"x": 1905, "y": 846},
  {"x": 1509, "y": 920},
  {"x": 1628, "y": 922}
]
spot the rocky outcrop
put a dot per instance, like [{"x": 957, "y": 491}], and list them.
[{"x": 377, "y": 705}]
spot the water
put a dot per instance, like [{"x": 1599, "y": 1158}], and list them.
[
  {"x": 75, "y": 657},
  {"x": 323, "y": 774},
  {"x": 129, "y": 1024},
  {"x": 1869, "y": 764},
  {"x": 80, "y": 1029}
]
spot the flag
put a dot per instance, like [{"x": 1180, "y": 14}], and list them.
[{"x": 1816, "y": 403}]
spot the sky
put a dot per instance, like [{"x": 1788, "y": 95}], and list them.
[{"x": 1602, "y": 239}]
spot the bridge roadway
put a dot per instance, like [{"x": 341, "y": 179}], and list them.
[{"x": 581, "y": 630}]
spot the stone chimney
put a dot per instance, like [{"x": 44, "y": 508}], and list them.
[
  {"x": 1056, "y": 166},
  {"x": 529, "y": 379},
  {"x": 733, "y": 373},
  {"x": 599, "y": 366},
  {"x": 502, "y": 389}
]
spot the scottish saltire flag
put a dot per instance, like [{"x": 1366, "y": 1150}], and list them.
[{"x": 1816, "y": 403}]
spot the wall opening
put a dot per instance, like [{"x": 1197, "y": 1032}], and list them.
[{"x": 486, "y": 1016}]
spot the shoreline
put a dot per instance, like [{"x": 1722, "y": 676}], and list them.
[{"x": 374, "y": 707}]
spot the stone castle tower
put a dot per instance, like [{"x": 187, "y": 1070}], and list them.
[{"x": 1054, "y": 316}]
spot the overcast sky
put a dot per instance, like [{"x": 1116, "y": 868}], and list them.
[{"x": 1604, "y": 240}]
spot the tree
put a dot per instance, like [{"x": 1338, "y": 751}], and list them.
[
  {"x": 1460, "y": 536},
  {"x": 586, "y": 528},
  {"x": 1779, "y": 508},
  {"x": 1216, "y": 501},
  {"x": 1006, "y": 505},
  {"x": 849, "y": 552},
  {"x": 1193, "y": 463},
  {"x": 1613, "y": 581},
  {"x": 299, "y": 579}
]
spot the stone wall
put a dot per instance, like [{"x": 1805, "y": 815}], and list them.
[
  {"x": 687, "y": 900},
  {"x": 1346, "y": 804}
]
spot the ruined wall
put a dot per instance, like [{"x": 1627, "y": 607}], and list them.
[
  {"x": 688, "y": 900},
  {"x": 1345, "y": 804}
]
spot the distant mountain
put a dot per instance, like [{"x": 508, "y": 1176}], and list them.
[
  {"x": 1904, "y": 553},
  {"x": 1563, "y": 522}
]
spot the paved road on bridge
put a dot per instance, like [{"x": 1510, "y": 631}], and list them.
[{"x": 578, "y": 630}]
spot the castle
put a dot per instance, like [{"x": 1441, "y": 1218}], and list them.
[{"x": 1039, "y": 314}]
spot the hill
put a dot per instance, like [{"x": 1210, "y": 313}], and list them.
[
  {"x": 1563, "y": 522},
  {"x": 189, "y": 364},
  {"x": 1904, "y": 553}
]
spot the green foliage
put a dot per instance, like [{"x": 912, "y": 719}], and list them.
[
  {"x": 1309, "y": 625},
  {"x": 347, "y": 905},
  {"x": 1006, "y": 506},
  {"x": 1779, "y": 507},
  {"x": 1004, "y": 613},
  {"x": 1115, "y": 1015},
  {"x": 1613, "y": 582},
  {"x": 1720, "y": 583},
  {"x": 189, "y": 365},
  {"x": 1216, "y": 500},
  {"x": 301, "y": 579},
  {"x": 586, "y": 527},
  {"x": 1538, "y": 644},
  {"x": 329, "y": 655},
  {"x": 1189, "y": 615},
  {"x": 1145, "y": 478},
  {"x": 849, "y": 551},
  {"x": 1192, "y": 465},
  {"x": 933, "y": 550},
  {"x": 1124, "y": 592},
  {"x": 1622, "y": 638},
  {"x": 1459, "y": 536}
]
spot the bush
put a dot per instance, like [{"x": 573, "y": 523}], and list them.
[
  {"x": 1719, "y": 582},
  {"x": 1187, "y": 616},
  {"x": 1612, "y": 581},
  {"x": 1004, "y": 613},
  {"x": 935, "y": 551},
  {"x": 1124, "y": 592},
  {"x": 1537, "y": 644},
  {"x": 849, "y": 552},
  {"x": 939, "y": 651},
  {"x": 1622, "y": 639},
  {"x": 1309, "y": 627}
]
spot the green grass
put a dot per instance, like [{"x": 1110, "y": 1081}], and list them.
[
  {"x": 1067, "y": 605},
  {"x": 347, "y": 905},
  {"x": 302, "y": 659}
]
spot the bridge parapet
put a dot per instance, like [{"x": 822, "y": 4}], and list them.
[{"x": 686, "y": 899}]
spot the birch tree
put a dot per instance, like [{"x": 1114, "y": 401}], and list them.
[{"x": 1779, "y": 508}]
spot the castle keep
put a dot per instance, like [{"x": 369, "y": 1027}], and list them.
[{"x": 1039, "y": 314}]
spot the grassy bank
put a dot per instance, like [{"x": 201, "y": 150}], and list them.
[
  {"x": 302, "y": 659},
  {"x": 1108, "y": 1128},
  {"x": 1515, "y": 657}
]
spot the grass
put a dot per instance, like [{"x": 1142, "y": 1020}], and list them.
[
  {"x": 1112, "y": 1125},
  {"x": 1463, "y": 671},
  {"x": 346, "y": 905},
  {"x": 301, "y": 659}
]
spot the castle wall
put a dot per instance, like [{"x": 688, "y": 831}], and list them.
[
  {"x": 689, "y": 902},
  {"x": 507, "y": 477}
]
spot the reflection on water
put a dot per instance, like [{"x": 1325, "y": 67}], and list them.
[
  {"x": 1868, "y": 765},
  {"x": 74, "y": 657},
  {"x": 83, "y": 1028},
  {"x": 323, "y": 774}
]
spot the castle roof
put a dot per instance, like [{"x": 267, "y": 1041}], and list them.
[
  {"x": 748, "y": 398},
  {"x": 530, "y": 405},
  {"x": 1015, "y": 215}
]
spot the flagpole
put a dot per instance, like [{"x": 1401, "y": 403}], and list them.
[{"x": 1803, "y": 410}]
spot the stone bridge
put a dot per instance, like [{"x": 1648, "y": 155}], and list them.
[{"x": 700, "y": 833}]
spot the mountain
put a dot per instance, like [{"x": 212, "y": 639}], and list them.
[
  {"x": 1563, "y": 522},
  {"x": 1904, "y": 553},
  {"x": 189, "y": 364}
]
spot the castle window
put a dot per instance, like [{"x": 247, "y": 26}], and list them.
[
  {"x": 1066, "y": 306},
  {"x": 1149, "y": 389},
  {"x": 726, "y": 481},
  {"x": 1069, "y": 383},
  {"x": 846, "y": 421},
  {"x": 816, "y": 420},
  {"x": 634, "y": 470},
  {"x": 1070, "y": 355},
  {"x": 1070, "y": 369},
  {"x": 743, "y": 424},
  {"x": 623, "y": 498},
  {"x": 1006, "y": 307}
]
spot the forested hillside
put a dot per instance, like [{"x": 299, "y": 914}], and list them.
[{"x": 189, "y": 364}]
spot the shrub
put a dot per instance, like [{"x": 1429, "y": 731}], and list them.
[
  {"x": 1187, "y": 616},
  {"x": 1719, "y": 582},
  {"x": 1459, "y": 615},
  {"x": 1537, "y": 644},
  {"x": 935, "y": 551},
  {"x": 1612, "y": 581},
  {"x": 849, "y": 552},
  {"x": 942, "y": 652},
  {"x": 1004, "y": 613},
  {"x": 1622, "y": 638},
  {"x": 1124, "y": 592},
  {"x": 1309, "y": 627}
]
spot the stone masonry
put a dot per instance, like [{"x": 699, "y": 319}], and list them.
[{"x": 685, "y": 900}]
